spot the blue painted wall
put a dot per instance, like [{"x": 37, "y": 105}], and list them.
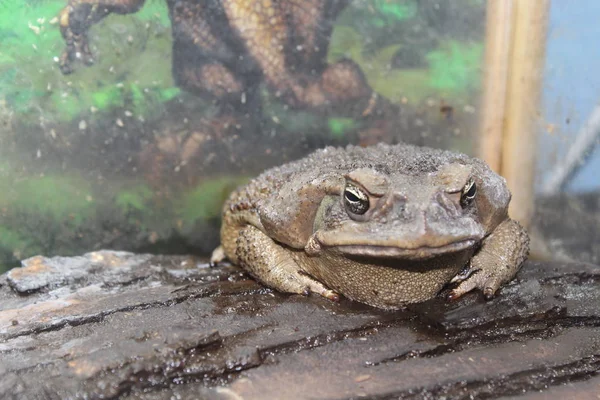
[{"x": 571, "y": 87}]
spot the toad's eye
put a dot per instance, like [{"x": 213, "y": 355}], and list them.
[
  {"x": 468, "y": 193},
  {"x": 356, "y": 200}
]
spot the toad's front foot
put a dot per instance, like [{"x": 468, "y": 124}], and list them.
[
  {"x": 497, "y": 261},
  {"x": 481, "y": 279},
  {"x": 77, "y": 50},
  {"x": 217, "y": 256},
  {"x": 77, "y": 47}
]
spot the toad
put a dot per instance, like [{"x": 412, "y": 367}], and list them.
[
  {"x": 223, "y": 50},
  {"x": 387, "y": 226}
]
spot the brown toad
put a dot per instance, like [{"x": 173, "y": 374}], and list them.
[
  {"x": 224, "y": 49},
  {"x": 383, "y": 225}
]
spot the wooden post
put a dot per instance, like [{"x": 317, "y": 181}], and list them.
[
  {"x": 512, "y": 92},
  {"x": 497, "y": 52}
]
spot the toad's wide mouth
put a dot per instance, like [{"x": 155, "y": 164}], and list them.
[{"x": 421, "y": 252}]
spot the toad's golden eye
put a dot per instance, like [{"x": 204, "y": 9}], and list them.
[
  {"x": 355, "y": 200},
  {"x": 468, "y": 193}
]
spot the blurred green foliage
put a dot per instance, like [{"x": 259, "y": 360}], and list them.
[
  {"x": 65, "y": 212},
  {"x": 339, "y": 126},
  {"x": 204, "y": 202},
  {"x": 388, "y": 12},
  {"x": 133, "y": 52},
  {"x": 35, "y": 208},
  {"x": 60, "y": 197},
  {"x": 455, "y": 67},
  {"x": 414, "y": 49},
  {"x": 13, "y": 245},
  {"x": 136, "y": 199},
  {"x": 132, "y": 68}
]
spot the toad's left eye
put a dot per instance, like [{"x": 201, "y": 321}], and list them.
[
  {"x": 356, "y": 201},
  {"x": 468, "y": 193}
]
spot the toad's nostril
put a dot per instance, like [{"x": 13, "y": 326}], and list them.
[{"x": 399, "y": 203}]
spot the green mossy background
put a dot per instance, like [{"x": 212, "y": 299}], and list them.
[
  {"x": 31, "y": 83},
  {"x": 66, "y": 183}
]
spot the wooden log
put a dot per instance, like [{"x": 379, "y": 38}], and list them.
[{"x": 119, "y": 325}]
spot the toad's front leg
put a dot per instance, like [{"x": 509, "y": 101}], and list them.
[
  {"x": 272, "y": 264},
  {"x": 497, "y": 262}
]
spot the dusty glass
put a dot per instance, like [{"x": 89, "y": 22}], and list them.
[{"x": 125, "y": 124}]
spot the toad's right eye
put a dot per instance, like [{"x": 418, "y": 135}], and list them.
[
  {"x": 356, "y": 200},
  {"x": 468, "y": 193}
]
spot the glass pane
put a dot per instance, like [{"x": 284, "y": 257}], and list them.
[
  {"x": 129, "y": 129},
  {"x": 568, "y": 215}
]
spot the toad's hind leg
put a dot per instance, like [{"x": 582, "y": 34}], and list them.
[{"x": 273, "y": 265}]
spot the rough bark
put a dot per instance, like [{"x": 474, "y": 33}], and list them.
[{"x": 120, "y": 325}]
